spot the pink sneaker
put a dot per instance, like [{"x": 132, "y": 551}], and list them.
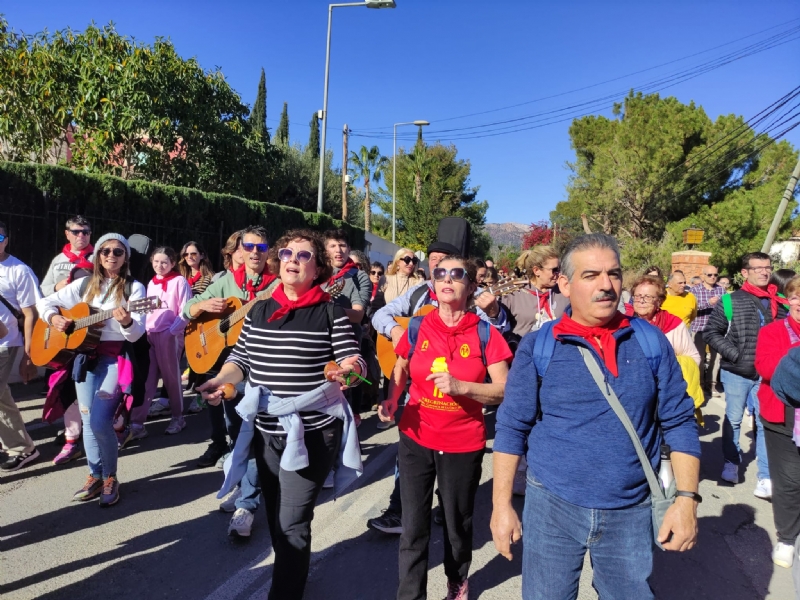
[
  {"x": 70, "y": 451},
  {"x": 457, "y": 591}
]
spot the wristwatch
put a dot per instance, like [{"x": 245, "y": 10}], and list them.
[{"x": 693, "y": 495}]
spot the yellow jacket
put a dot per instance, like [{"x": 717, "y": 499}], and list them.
[{"x": 691, "y": 374}]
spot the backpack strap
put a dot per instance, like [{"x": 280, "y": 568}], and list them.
[
  {"x": 647, "y": 337},
  {"x": 413, "y": 332},
  {"x": 416, "y": 296},
  {"x": 484, "y": 333},
  {"x": 727, "y": 307},
  {"x": 543, "y": 348}
]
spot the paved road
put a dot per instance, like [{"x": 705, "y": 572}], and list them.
[{"x": 167, "y": 539}]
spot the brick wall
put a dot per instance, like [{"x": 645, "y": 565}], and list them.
[{"x": 691, "y": 262}]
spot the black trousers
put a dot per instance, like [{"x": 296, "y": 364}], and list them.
[
  {"x": 289, "y": 497},
  {"x": 458, "y": 476},
  {"x": 784, "y": 470}
]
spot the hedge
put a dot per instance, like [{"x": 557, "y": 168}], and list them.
[{"x": 36, "y": 200}]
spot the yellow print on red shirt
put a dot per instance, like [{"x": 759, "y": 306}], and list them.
[
  {"x": 439, "y": 366},
  {"x": 464, "y": 351}
]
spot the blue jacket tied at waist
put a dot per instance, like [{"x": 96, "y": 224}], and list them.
[{"x": 327, "y": 399}]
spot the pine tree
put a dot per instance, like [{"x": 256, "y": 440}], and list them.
[
  {"x": 313, "y": 138},
  {"x": 259, "y": 115},
  {"x": 282, "y": 133}
]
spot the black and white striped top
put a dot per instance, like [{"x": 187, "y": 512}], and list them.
[{"x": 288, "y": 355}]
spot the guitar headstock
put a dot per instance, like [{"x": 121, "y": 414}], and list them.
[
  {"x": 506, "y": 286},
  {"x": 145, "y": 305},
  {"x": 335, "y": 289}
]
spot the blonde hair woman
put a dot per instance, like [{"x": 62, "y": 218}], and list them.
[{"x": 401, "y": 275}]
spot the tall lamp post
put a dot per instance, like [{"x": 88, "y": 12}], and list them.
[
  {"x": 368, "y": 4},
  {"x": 394, "y": 172}
]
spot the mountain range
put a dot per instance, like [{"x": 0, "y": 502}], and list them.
[{"x": 506, "y": 234}]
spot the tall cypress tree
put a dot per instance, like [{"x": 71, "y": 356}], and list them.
[
  {"x": 419, "y": 135},
  {"x": 282, "y": 133},
  {"x": 313, "y": 137},
  {"x": 259, "y": 114}
]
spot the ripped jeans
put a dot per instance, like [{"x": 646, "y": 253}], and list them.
[{"x": 98, "y": 398}]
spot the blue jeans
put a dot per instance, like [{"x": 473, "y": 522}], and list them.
[
  {"x": 98, "y": 398},
  {"x": 557, "y": 535},
  {"x": 251, "y": 490},
  {"x": 737, "y": 391}
]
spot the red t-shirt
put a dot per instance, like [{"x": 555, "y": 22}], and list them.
[{"x": 436, "y": 420}]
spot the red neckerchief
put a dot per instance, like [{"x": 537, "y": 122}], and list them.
[
  {"x": 468, "y": 321},
  {"x": 771, "y": 293},
  {"x": 343, "y": 271},
  {"x": 80, "y": 260},
  {"x": 253, "y": 286},
  {"x": 162, "y": 281},
  {"x": 543, "y": 298},
  {"x": 313, "y": 296},
  {"x": 665, "y": 321},
  {"x": 374, "y": 291},
  {"x": 194, "y": 278},
  {"x": 601, "y": 338},
  {"x": 432, "y": 294}
]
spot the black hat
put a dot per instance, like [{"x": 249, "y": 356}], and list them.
[{"x": 442, "y": 247}]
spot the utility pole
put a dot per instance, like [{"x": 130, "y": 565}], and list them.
[
  {"x": 776, "y": 222},
  {"x": 345, "y": 131}
]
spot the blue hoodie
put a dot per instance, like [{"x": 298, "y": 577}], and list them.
[{"x": 579, "y": 450}]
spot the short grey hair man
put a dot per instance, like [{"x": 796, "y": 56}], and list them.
[{"x": 586, "y": 242}]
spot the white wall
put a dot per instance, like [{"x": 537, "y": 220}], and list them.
[{"x": 383, "y": 250}]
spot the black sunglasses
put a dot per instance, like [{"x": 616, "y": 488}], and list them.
[
  {"x": 188, "y": 254},
  {"x": 80, "y": 231},
  {"x": 456, "y": 274},
  {"x": 378, "y": 273},
  {"x": 249, "y": 246},
  {"x": 410, "y": 259},
  {"x": 115, "y": 251}
]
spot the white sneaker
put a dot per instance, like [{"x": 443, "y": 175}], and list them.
[
  {"x": 783, "y": 555},
  {"x": 730, "y": 472},
  {"x": 328, "y": 485},
  {"x": 228, "y": 505},
  {"x": 160, "y": 406},
  {"x": 763, "y": 489},
  {"x": 195, "y": 406},
  {"x": 385, "y": 424},
  {"x": 241, "y": 523},
  {"x": 175, "y": 426},
  {"x": 520, "y": 483}
]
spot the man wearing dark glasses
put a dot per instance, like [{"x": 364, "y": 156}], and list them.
[
  {"x": 244, "y": 283},
  {"x": 75, "y": 258}
]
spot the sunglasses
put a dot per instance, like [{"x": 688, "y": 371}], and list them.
[
  {"x": 86, "y": 232},
  {"x": 250, "y": 246},
  {"x": 711, "y": 274},
  {"x": 192, "y": 254},
  {"x": 456, "y": 274},
  {"x": 287, "y": 254},
  {"x": 410, "y": 260},
  {"x": 115, "y": 251},
  {"x": 376, "y": 273},
  {"x": 3, "y": 238}
]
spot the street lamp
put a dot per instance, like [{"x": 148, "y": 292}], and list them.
[
  {"x": 368, "y": 4},
  {"x": 394, "y": 171}
]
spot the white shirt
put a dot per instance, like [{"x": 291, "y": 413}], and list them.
[
  {"x": 69, "y": 296},
  {"x": 20, "y": 288}
]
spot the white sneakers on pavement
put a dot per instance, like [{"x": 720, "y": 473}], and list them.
[
  {"x": 241, "y": 523},
  {"x": 763, "y": 489},
  {"x": 783, "y": 555},
  {"x": 730, "y": 472},
  {"x": 228, "y": 505}
]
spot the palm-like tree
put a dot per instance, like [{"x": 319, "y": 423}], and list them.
[
  {"x": 420, "y": 168},
  {"x": 367, "y": 165}
]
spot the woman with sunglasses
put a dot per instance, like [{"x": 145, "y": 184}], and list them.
[
  {"x": 376, "y": 279},
  {"x": 442, "y": 430},
  {"x": 108, "y": 371},
  {"x": 284, "y": 346},
  {"x": 196, "y": 267},
  {"x": 402, "y": 275}
]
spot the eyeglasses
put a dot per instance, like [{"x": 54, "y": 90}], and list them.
[
  {"x": 410, "y": 260},
  {"x": 3, "y": 238},
  {"x": 644, "y": 299},
  {"x": 456, "y": 274},
  {"x": 555, "y": 270},
  {"x": 192, "y": 254},
  {"x": 250, "y": 246},
  {"x": 711, "y": 274},
  {"x": 760, "y": 269},
  {"x": 86, "y": 232},
  {"x": 115, "y": 251},
  {"x": 287, "y": 254},
  {"x": 376, "y": 273}
]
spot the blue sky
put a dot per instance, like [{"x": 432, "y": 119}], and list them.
[{"x": 438, "y": 59}]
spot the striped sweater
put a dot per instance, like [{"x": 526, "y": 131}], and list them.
[{"x": 288, "y": 355}]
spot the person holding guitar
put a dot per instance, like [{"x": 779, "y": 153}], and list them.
[
  {"x": 254, "y": 277},
  {"x": 110, "y": 287},
  {"x": 447, "y": 358}
]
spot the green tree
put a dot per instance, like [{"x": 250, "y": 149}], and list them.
[
  {"x": 368, "y": 166},
  {"x": 258, "y": 117},
  {"x": 282, "y": 133},
  {"x": 313, "y": 137}
]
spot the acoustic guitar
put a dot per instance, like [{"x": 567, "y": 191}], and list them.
[
  {"x": 54, "y": 349},
  {"x": 384, "y": 348},
  {"x": 209, "y": 334}
]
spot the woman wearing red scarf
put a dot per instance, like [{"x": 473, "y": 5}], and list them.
[
  {"x": 195, "y": 267},
  {"x": 442, "y": 431},
  {"x": 781, "y": 427},
  {"x": 284, "y": 346}
]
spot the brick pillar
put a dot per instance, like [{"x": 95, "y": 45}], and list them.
[{"x": 691, "y": 262}]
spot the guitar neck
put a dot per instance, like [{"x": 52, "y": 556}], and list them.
[
  {"x": 241, "y": 313},
  {"x": 94, "y": 319}
]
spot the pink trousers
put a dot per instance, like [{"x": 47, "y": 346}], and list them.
[{"x": 165, "y": 349}]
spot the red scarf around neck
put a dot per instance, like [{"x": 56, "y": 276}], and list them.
[
  {"x": 343, "y": 271},
  {"x": 313, "y": 296},
  {"x": 253, "y": 286},
  {"x": 771, "y": 293},
  {"x": 195, "y": 278},
  {"x": 468, "y": 321},
  {"x": 81, "y": 259},
  {"x": 432, "y": 293},
  {"x": 601, "y": 338},
  {"x": 163, "y": 281},
  {"x": 665, "y": 321},
  {"x": 543, "y": 298}
]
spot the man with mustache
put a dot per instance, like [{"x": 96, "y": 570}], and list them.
[{"x": 586, "y": 487}]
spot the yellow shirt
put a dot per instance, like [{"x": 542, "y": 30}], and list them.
[{"x": 684, "y": 307}]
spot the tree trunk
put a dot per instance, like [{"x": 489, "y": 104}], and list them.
[
  {"x": 418, "y": 186},
  {"x": 367, "y": 211}
]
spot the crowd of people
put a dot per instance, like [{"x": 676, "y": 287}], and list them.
[{"x": 597, "y": 377}]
